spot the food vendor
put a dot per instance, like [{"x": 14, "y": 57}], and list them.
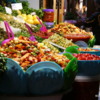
[{"x": 94, "y": 22}]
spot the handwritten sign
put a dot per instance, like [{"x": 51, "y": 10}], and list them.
[
  {"x": 8, "y": 10},
  {"x": 16, "y": 6}
]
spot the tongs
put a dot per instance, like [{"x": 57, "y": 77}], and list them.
[
  {"x": 43, "y": 28},
  {"x": 32, "y": 38},
  {"x": 9, "y": 33}
]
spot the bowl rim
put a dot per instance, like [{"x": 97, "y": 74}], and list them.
[
  {"x": 90, "y": 51},
  {"x": 88, "y": 60}
]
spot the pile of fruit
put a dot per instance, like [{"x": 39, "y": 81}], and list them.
[
  {"x": 13, "y": 22},
  {"x": 27, "y": 52},
  {"x": 6, "y": 17},
  {"x": 30, "y": 19},
  {"x": 86, "y": 56},
  {"x": 24, "y": 13}
]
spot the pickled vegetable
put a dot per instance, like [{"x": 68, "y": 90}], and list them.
[{"x": 61, "y": 41}]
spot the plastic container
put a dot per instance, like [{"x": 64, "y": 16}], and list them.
[
  {"x": 13, "y": 80},
  {"x": 48, "y": 15},
  {"x": 43, "y": 78},
  {"x": 49, "y": 25}
]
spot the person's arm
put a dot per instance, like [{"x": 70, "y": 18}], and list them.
[{"x": 89, "y": 22}]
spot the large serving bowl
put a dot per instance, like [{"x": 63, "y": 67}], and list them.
[
  {"x": 13, "y": 80},
  {"x": 92, "y": 52},
  {"x": 78, "y": 37},
  {"x": 43, "y": 78},
  {"x": 88, "y": 68},
  {"x": 88, "y": 64}
]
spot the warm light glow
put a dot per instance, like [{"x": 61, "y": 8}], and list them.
[{"x": 81, "y": 5}]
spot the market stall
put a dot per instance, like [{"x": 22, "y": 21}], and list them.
[{"x": 44, "y": 60}]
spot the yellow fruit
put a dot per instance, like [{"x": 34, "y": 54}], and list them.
[
  {"x": 29, "y": 17},
  {"x": 34, "y": 17},
  {"x": 36, "y": 21},
  {"x": 24, "y": 15},
  {"x": 30, "y": 21}
]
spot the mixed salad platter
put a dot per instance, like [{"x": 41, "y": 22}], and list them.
[
  {"x": 27, "y": 52},
  {"x": 70, "y": 31},
  {"x": 37, "y": 67}
]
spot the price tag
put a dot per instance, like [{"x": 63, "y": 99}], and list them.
[
  {"x": 8, "y": 10},
  {"x": 16, "y": 6}
]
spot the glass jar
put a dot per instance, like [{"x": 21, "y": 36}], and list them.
[{"x": 48, "y": 15}]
